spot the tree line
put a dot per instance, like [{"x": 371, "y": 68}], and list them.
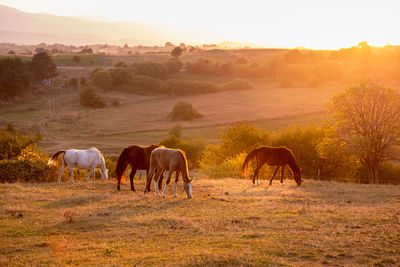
[{"x": 18, "y": 77}]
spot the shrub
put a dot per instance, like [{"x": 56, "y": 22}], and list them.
[
  {"x": 237, "y": 85},
  {"x": 202, "y": 66},
  {"x": 193, "y": 148},
  {"x": 141, "y": 84},
  {"x": 21, "y": 160},
  {"x": 90, "y": 98},
  {"x": 182, "y": 87},
  {"x": 12, "y": 142},
  {"x": 183, "y": 111},
  {"x": 101, "y": 79},
  {"x": 173, "y": 65},
  {"x": 176, "y": 130},
  {"x": 228, "y": 168},
  {"x": 152, "y": 69},
  {"x": 73, "y": 83},
  {"x": 120, "y": 76}
]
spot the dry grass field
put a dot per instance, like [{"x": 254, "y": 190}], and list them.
[
  {"x": 227, "y": 223},
  {"x": 143, "y": 119}
]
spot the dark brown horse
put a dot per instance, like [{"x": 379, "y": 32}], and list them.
[
  {"x": 273, "y": 156},
  {"x": 139, "y": 159}
]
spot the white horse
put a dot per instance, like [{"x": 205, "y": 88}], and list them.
[{"x": 82, "y": 159}]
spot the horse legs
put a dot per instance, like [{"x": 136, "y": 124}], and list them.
[
  {"x": 256, "y": 175},
  {"x": 60, "y": 173},
  {"x": 176, "y": 181},
  {"x": 283, "y": 170},
  {"x": 156, "y": 178},
  {"x": 131, "y": 176},
  {"x": 167, "y": 182},
  {"x": 160, "y": 179},
  {"x": 91, "y": 172},
  {"x": 149, "y": 178},
  {"x": 71, "y": 171},
  {"x": 276, "y": 170}
]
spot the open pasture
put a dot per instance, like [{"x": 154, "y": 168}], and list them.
[
  {"x": 143, "y": 119},
  {"x": 228, "y": 222}
]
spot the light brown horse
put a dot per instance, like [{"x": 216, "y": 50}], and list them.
[
  {"x": 139, "y": 159},
  {"x": 273, "y": 156},
  {"x": 166, "y": 159}
]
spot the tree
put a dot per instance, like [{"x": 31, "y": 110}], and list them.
[
  {"x": 101, "y": 79},
  {"x": 367, "y": 118},
  {"x": 15, "y": 77},
  {"x": 90, "y": 98},
  {"x": 43, "y": 66},
  {"x": 176, "y": 52}
]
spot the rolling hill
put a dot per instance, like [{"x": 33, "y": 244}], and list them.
[{"x": 28, "y": 28}]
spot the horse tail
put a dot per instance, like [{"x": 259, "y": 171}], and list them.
[
  {"x": 122, "y": 163},
  {"x": 245, "y": 168},
  {"x": 185, "y": 171},
  {"x": 54, "y": 157}
]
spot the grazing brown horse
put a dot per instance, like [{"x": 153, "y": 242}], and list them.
[
  {"x": 139, "y": 159},
  {"x": 273, "y": 156},
  {"x": 172, "y": 160}
]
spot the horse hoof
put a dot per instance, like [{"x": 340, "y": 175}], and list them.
[
  {"x": 175, "y": 195},
  {"x": 163, "y": 196}
]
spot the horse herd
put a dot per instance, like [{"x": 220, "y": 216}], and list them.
[{"x": 156, "y": 160}]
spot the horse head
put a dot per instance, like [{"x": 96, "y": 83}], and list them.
[
  {"x": 297, "y": 177},
  {"x": 105, "y": 174},
  {"x": 188, "y": 187}
]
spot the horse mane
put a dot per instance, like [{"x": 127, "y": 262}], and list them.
[
  {"x": 122, "y": 163},
  {"x": 186, "y": 167},
  {"x": 294, "y": 167}
]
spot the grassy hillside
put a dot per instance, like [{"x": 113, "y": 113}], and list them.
[{"x": 228, "y": 222}]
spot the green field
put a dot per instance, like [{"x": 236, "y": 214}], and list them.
[{"x": 227, "y": 223}]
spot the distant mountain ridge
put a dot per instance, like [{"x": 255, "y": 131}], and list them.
[{"x": 28, "y": 28}]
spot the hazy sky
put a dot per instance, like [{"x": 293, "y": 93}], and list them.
[{"x": 280, "y": 23}]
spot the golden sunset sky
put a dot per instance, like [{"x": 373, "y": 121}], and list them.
[{"x": 316, "y": 24}]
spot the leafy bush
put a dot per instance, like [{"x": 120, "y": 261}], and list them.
[
  {"x": 101, "y": 79},
  {"x": 193, "y": 148},
  {"x": 21, "y": 160},
  {"x": 141, "y": 84},
  {"x": 183, "y": 111},
  {"x": 120, "y": 76},
  {"x": 173, "y": 65},
  {"x": 90, "y": 98},
  {"x": 183, "y": 87},
  {"x": 152, "y": 69},
  {"x": 176, "y": 130},
  {"x": 12, "y": 142},
  {"x": 202, "y": 66},
  {"x": 237, "y": 85}
]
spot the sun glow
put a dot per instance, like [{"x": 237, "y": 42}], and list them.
[{"x": 312, "y": 24}]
